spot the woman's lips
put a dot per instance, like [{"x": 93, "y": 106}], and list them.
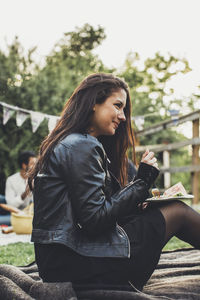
[{"x": 116, "y": 124}]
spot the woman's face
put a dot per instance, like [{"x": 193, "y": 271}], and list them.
[{"x": 108, "y": 115}]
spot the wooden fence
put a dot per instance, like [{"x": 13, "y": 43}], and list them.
[{"x": 166, "y": 169}]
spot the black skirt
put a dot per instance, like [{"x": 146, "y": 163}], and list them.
[{"x": 146, "y": 232}]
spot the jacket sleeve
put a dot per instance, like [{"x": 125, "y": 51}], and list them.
[
  {"x": 147, "y": 173},
  {"x": 85, "y": 176}
]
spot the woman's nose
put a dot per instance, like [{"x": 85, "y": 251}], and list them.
[{"x": 121, "y": 116}]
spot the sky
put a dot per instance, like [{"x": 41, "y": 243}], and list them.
[{"x": 144, "y": 26}]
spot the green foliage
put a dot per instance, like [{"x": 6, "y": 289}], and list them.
[
  {"x": 175, "y": 243},
  {"x": 18, "y": 254},
  {"x": 15, "y": 75},
  {"x": 181, "y": 158},
  {"x": 148, "y": 84},
  {"x": 69, "y": 62}
]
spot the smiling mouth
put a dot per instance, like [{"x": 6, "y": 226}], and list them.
[{"x": 116, "y": 124}]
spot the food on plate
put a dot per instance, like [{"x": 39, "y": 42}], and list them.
[
  {"x": 176, "y": 190},
  {"x": 155, "y": 192}
]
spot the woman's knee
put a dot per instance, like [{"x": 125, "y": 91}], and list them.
[{"x": 174, "y": 209}]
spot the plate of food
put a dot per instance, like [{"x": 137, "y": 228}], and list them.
[{"x": 176, "y": 192}]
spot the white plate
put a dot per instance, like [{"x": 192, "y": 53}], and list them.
[{"x": 160, "y": 199}]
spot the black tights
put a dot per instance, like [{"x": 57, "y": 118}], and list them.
[{"x": 181, "y": 221}]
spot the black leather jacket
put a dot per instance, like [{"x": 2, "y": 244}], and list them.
[{"x": 78, "y": 203}]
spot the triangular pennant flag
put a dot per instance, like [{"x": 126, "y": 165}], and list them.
[
  {"x": 7, "y": 114},
  {"x": 36, "y": 120},
  {"x": 21, "y": 117},
  {"x": 52, "y": 121},
  {"x": 139, "y": 122},
  {"x": 174, "y": 113}
]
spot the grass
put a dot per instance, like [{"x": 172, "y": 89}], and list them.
[
  {"x": 21, "y": 254},
  {"x": 175, "y": 243},
  {"x": 18, "y": 254}
]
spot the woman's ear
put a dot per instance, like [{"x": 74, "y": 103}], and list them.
[{"x": 93, "y": 109}]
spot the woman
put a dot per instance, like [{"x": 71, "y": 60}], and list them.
[{"x": 88, "y": 223}]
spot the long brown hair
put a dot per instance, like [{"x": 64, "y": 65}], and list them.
[{"x": 75, "y": 118}]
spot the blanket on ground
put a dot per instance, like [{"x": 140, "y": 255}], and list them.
[{"x": 177, "y": 277}]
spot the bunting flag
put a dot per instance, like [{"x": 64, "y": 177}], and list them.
[
  {"x": 139, "y": 122},
  {"x": 52, "y": 121},
  {"x": 21, "y": 117},
  {"x": 38, "y": 117},
  {"x": 174, "y": 113},
  {"x": 22, "y": 114},
  {"x": 7, "y": 114},
  {"x": 36, "y": 120}
]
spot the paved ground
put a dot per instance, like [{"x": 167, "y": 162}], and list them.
[{"x": 11, "y": 238}]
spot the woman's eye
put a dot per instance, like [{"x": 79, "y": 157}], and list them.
[{"x": 118, "y": 105}]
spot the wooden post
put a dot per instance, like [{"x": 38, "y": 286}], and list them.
[
  {"x": 195, "y": 161},
  {"x": 166, "y": 164}
]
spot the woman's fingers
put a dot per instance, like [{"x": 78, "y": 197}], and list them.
[
  {"x": 149, "y": 158},
  {"x": 143, "y": 205},
  {"x": 145, "y": 154},
  {"x": 152, "y": 161},
  {"x": 155, "y": 165}
]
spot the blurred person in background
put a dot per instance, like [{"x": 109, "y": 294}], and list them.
[{"x": 15, "y": 191}]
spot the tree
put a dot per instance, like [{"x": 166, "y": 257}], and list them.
[
  {"x": 15, "y": 72},
  {"x": 150, "y": 96},
  {"x": 148, "y": 85},
  {"x": 68, "y": 63}
]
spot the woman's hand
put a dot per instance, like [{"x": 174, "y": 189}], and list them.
[
  {"x": 149, "y": 158},
  {"x": 148, "y": 169}
]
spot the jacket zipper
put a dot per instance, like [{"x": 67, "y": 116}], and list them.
[{"x": 124, "y": 233}]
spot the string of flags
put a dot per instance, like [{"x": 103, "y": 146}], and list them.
[
  {"x": 139, "y": 120},
  {"x": 22, "y": 114},
  {"x": 38, "y": 117}
]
